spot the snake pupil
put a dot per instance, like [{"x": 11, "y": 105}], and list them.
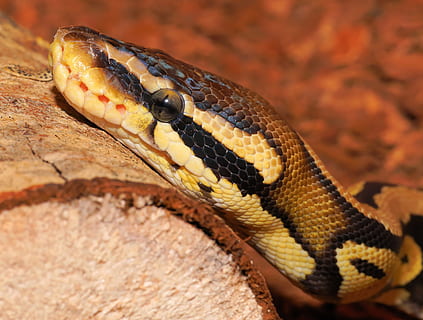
[{"x": 166, "y": 105}]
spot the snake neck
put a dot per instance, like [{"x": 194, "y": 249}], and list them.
[{"x": 308, "y": 223}]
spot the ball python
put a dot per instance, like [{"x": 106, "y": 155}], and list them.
[{"x": 223, "y": 144}]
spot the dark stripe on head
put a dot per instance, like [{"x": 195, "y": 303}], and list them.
[
  {"x": 229, "y": 100},
  {"x": 120, "y": 78}
]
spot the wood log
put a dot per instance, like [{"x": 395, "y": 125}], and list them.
[{"x": 123, "y": 246}]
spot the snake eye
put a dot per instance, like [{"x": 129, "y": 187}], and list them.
[{"x": 166, "y": 104}]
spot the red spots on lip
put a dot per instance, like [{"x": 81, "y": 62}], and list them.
[
  {"x": 83, "y": 87},
  {"x": 103, "y": 98},
  {"x": 121, "y": 108}
]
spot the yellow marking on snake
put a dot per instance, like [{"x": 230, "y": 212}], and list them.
[
  {"x": 265, "y": 229},
  {"x": 223, "y": 144},
  {"x": 397, "y": 203},
  {"x": 384, "y": 259},
  {"x": 411, "y": 253},
  {"x": 252, "y": 147}
]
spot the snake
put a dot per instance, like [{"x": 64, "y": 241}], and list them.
[{"x": 223, "y": 144}]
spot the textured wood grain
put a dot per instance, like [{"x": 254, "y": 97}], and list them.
[{"x": 106, "y": 249}]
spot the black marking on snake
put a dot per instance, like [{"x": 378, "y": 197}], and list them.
[
  {"x": 223, "y": 162},
  {"x": 359, "y": 228},
  {"x": 415, "y": 289},
  {"x": 204, "y": 188},
  {"x": 369, "y": 190},
  {"x": 196, "y": 83},
  {"x": 368, "y": 268},
  {"x": 404, "y": 259},
  {"x": 120, "y": 77},
  {"x": 414, "y": 227},
  {"x": 326, "y": 280}
]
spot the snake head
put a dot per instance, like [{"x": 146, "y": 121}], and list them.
[
  {"x": 107, "y": 81},
  {"x": 170, "y": 113},
  {"x": 129, "y": 91}
]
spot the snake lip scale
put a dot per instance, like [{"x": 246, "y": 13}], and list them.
[{"x": 223, "y": 144}]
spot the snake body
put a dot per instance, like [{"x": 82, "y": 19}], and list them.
[{"x": 224, "y": 144}]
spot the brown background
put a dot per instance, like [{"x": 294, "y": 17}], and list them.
[{"x": 346, "y": 74}]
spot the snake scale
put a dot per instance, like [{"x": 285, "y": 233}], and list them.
[{"x": 224, "y": 144}]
